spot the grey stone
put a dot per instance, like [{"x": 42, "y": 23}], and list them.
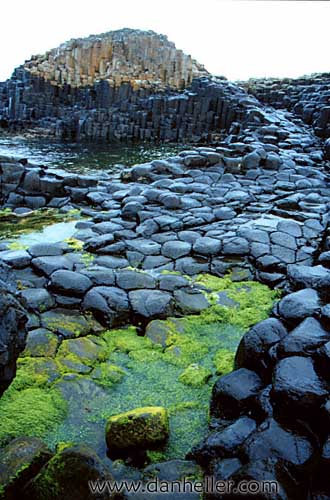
[
  {"x": 176, "y": 249},
  {"x": 151, "y": 303},
  {"x": 70, "y": 283}
]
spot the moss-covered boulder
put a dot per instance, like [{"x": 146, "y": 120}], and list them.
[
  {"x": 141, "y": 428},
  {"x": 41, "y": 342},
  {"x": 68, "y": 476},
  {"x": 20, "y": 461}
]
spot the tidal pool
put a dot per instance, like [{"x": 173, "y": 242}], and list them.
[
  {"x": 66, "y": 392},
  {"x": 39, "y": 226},
  {"x": 84, "y": 157}
]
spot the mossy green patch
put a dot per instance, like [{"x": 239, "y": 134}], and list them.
[
  {"x": 195, "y": 375},
  {"x": 30, "y": 412},
  {"x": 13, "y": 225},
  {"x": 35, "y": 372},
  {"x": 141, "y": 427},
  {"x": 17, "y": 245},
  {"x": 107, "y": 374},
  {"x": 224, "y": 361},
  {"x": 126, "y": 340},
  {"x": 70, "y": 325},
  {"x": 74, "y": 244},
  {"x": 119, "y": 370},
  {"x": 254, "y": 301}
]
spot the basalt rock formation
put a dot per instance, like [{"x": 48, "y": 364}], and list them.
[
  {"x": 255, "y": 205},
  {"x": 12, "y": 327},
  {"x": 141, "y": 58},
  {"x": 308, "y": 97}
]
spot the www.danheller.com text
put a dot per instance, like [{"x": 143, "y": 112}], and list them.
[{"x": 208, "y": 485}]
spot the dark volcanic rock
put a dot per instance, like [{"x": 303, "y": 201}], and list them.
[
  {"x": 308, "y": 336},
  {"x": 69, "y": 283},
  {"x": 317, "y": 277},
  {"x": 224, "y": 443},
  {"x": 234, "y": 394},
  {"x": 70, "y": 470},
  {"x": 297, "y": 389},
  {"x": 297, "y": 306},
  {"x": 12, "y": 329},
  {"x": 252, "y": 352},
  {"x": 151, "y": 304},
  {"x": 272, "y": 441},
  {"x": 20, "y": 461}
]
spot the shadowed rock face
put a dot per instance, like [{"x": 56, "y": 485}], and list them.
[{"x": 12, "y": 329}]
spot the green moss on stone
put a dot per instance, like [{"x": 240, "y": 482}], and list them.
[
  {"x": 30, "y": 412},
  {"x": 224, "y": 361},
  {"x": 35, "y": 372},
  {"x": 13, "y": 225},
  {"x": 254, "y": 301},
  {"x": 74, "y": 244},
  {"x": 195, "y": 375},
  {"x": 82, "y": 349},
  {"x": 107, "y": 374},
  {"x": 126, "y": 340},
  {"x": 142, "y": 427},
  {"x": 118, "y": 370}
]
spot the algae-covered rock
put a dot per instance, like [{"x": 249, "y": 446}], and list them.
[
  {"x": 20, "y": 461},
  {"x": 82, "y": 349},
  {"x": 142, "y": 428},
  {"x": 195, "y": 375},
  {"x": 41, "y": 342},
  {"x": 107, "y": 374},
  {"x": 67, "y": 476},
  {"x": 70, "y": 324}
]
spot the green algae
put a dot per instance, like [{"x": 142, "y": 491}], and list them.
[
  {"x": 78, "y": 246},
  {"x": 13, "y": 226},
  {"x": 74, "y": 244},
  {"x": 119, "y": 370},
  {"x": 224, "y": 361},
  {"x": 195, "y": 375},
  {"x": 146, "y": 427},
  {"x": 254, "y": 301},
  {"x": 107, "y": 374},
  {"x": 30, "y": 412}
]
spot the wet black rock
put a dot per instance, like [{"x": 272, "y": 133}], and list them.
[
  {"x": 317, "y": 277},
  {"x": 69, "y": 283},
  {"x": 297, "y": 388},
  {"x": 151, "y": 304},
  {"x": 12, "y": 328},
  {"x": 234, "y": 394},
  {"x": 224, "y": 443},
  {"x": 304, "y": 340},
  {"x": 273, "y": 441},
  {"x": 299, "y": 305},
  {"x": 252, "y": 352}
]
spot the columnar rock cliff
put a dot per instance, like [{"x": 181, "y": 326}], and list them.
[{"x": 140, "y": 58}]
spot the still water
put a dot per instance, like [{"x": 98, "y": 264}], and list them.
[{"x": 84, "y": 157}]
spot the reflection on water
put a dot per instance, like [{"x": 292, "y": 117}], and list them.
[
  {"x": 83, "y": 157},
  {"x": 38, "y": 226}
]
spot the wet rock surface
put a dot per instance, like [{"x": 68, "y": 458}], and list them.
[{"x": 255, "y": 204}]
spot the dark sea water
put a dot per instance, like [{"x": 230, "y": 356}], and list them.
[{"x": 86, "y": 157}]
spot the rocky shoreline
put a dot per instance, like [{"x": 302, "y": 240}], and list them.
[
  {"x": 256, "y": 206},
  {"x": 224, "y": 241}
]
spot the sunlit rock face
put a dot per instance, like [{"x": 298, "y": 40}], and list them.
[{"x": 141, "y": 58}]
